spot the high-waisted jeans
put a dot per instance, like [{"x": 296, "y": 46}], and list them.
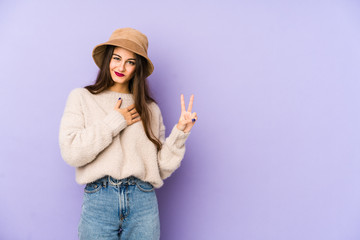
[{"x": 119, "y": 209}]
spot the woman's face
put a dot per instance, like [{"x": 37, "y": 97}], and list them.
[{"x": 122, "y": 66}]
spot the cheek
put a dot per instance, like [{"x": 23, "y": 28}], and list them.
[
  {"x": 132, "y": 70},
  {"x": 111, "y": 65}
]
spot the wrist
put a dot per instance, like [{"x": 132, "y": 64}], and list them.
[{"x": 180, "y": 127}]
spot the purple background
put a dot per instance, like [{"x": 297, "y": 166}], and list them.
[{"x": 274, "y": 154}]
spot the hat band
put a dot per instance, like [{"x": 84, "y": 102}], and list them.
[{"x": 128, "y": 45}]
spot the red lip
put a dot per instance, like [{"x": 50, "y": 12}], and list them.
[{"x": 119, "y": 74}]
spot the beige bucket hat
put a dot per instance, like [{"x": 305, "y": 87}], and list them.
[{"x": 127, "y": 38}]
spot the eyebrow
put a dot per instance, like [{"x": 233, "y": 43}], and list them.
[{"x": 121, "y": 57}]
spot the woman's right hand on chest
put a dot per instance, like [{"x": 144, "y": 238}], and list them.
[{"x": 130, "y": 114}]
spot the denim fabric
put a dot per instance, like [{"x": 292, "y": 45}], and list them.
[{"x": 119, "y": 209}]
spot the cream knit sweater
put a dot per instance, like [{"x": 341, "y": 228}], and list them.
[{"x": 95, "y": 138}]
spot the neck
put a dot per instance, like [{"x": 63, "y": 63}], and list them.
[{"x": 119, "y": 88}]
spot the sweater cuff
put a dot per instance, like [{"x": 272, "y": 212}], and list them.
[
  {"x": 115, "y": 121},
  {"x": 177, "y": 137}
]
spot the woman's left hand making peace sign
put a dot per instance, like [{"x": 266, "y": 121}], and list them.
[{"x": 187, "y": 118}]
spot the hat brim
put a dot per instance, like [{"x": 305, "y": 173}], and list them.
[{"x": 99, "y": 51}]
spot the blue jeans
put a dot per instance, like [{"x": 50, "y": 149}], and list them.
[{"x": 119, "y": 209}]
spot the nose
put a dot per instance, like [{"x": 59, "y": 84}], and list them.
[{"x": 121, "y": 66}]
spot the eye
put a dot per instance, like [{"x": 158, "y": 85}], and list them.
[
  {"x": 116, "y": 58},
  {"x": 131, "y": 63}
]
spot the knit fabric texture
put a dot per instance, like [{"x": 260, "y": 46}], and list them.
[{"x": 96, "y": 140}]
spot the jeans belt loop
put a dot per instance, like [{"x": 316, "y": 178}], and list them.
[{"x": 104, "y": 182}]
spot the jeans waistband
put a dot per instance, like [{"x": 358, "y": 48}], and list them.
[{"x": 115, "y": 182}]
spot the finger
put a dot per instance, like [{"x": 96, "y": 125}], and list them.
[
  {"x": 136, "y": 120},
  {"x": 133, "y": 111},
  {"x": 118, "y": 103},
  {"x": 191, "y": 103},
  {"x": 194, "y": 117},
  {"x": 188, "y": 121},
  {"x": 135, "y": 115},
  {"x": 182, "y": 103},
  {"x": 186, "y": 115},
  {"x": 131, "y": 107}
]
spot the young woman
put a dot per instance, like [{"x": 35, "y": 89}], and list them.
[{"x": 112, "y": 132}]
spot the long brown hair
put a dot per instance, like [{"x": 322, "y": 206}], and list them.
[{"x": 137, "y": 86}]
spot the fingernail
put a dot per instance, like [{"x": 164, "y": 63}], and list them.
[
  {"x": 193, "y": 119},
  {"x": 119, "y": 98}
]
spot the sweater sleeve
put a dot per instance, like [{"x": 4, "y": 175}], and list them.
[
  {"x": 172, "y": 151},
  {"x": 79, "y": 145}
]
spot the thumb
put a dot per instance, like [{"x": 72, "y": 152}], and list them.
[{"x": 118, "y": 103}]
